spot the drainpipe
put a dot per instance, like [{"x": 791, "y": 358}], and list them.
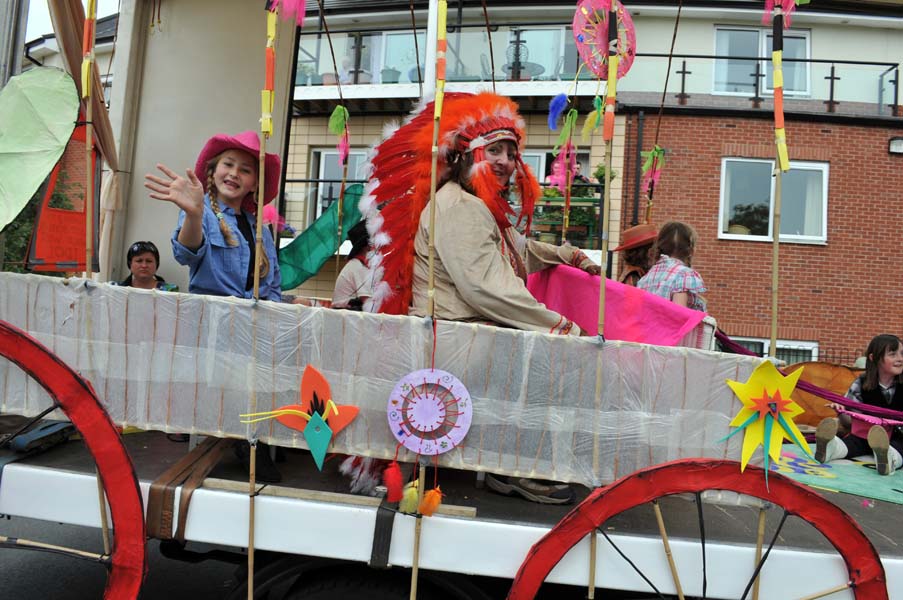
[
  {"x": 13, "y": 16},
  {"x": 641, "y": 119}
]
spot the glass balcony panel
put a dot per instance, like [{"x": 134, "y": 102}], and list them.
[
  {"x": 466, "y": 49},
  {"x": 733, "y": 75},
  {"x": 400, "y": 56},
  {"x": 796, "y": 74}
]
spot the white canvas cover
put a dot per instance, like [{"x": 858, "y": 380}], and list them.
[{"x": 187, "y": 363}]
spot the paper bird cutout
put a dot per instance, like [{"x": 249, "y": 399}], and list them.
[
  {"x": 767, "y": 414},
  {"x": 316, "y": 408}
]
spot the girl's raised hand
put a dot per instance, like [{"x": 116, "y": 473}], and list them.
[{"x": 185, "y": 192}]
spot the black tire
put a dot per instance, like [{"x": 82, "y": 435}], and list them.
[{"x": 338, "y": 586}]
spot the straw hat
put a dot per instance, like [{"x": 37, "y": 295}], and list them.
[{"x": 638, "y": 235}]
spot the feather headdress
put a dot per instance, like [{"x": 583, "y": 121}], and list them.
[{"x": 399, "y": 185}]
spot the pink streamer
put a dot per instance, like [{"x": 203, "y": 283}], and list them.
[
  {"x": 650, "y": 178},
  {"x": 291, "y": 8},
  {"x": 564, "y": 163}
]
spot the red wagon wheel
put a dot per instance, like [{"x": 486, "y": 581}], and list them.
[
  {"x": 866, "y": 574},
  {"x": 75, "y": 396}
]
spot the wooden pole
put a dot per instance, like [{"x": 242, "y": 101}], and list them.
[
  {"x": 252, "y": 485},
  {"x": 418, "y": 526},
  {"x": 591, "y": 586},
  {"x": 671, "y": 564},
  {"x": 760, "y": 538},
  {"x": 606, "y": 219},
  {"x": 826, "y": 593},
  {"x": 87, "y": 80},
  {"x": 104, "y": 526},
  {"x": 775, "y": 250}
]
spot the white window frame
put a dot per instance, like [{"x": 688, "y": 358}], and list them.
[
  {"x": 764, "y": 50},
  {"x": 785, "y": 238},
  {"x": 317, "y": 209},
  {"x": 782, "y": 344}
]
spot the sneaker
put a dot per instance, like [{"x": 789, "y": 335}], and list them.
[
  {"x": 265, "y": 470},
  {"x": 534, "y": 490},
  {"x": 826, "y": 431},
  {"x": 879, "y": 442}
]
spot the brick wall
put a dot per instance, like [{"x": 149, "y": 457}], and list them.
[{"x": 838, "y": 294}]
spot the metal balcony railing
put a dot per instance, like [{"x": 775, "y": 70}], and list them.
[{"x": 545, "y": 55}]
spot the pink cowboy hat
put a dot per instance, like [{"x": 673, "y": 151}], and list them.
[{"x": 249, "y": 142}]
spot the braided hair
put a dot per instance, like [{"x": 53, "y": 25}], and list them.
[{"x": 227, "y": 232}]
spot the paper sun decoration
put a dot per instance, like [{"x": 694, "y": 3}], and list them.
[
  {"x": 317, "y": 416},
  {"x": 767, "y": 414}
]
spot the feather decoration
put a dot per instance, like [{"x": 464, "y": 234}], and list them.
[
  {"x": 430, "y": 503},
  {"x": 567, "y": 130},
  {"x": 408, "y": 502},
  {"x": 344, "y": 147},
  {"x": 556, "y": 107},
  {"x": 338, "y": 120},
  {"x": 787, "y": 8},
  {"x": 654, "y": 161},
  {"x": 291, "y": 8},
  {"x": 272, "y": 217},
  {"x": 591, "y": 123},
  {"x": 564, "y": 163},
  {"x": 393, "y": 481}
]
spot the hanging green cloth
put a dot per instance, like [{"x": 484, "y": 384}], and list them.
[
  {"x": 38, "y": 110},
  {"x": 303, "y": 258}
]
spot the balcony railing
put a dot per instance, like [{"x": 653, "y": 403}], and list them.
[{"x": 545, "y": 56}]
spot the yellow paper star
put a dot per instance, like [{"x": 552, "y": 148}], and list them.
[{"x": 767, "y": 412}]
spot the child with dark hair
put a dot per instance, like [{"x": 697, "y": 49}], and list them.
[
  {"x": 353, "y": 286},
  {"x": 636, "y": 252},
  {"x": 671, "y": 276},
  {"x": 881, "y": 385}
]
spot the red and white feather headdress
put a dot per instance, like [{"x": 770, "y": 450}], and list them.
[{"x": 399, "y": 184}]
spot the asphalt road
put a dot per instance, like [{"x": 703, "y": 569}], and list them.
[{"x": 30, "y": 575}]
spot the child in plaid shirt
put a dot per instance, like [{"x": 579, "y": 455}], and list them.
[{"x": 671, "y": 276}]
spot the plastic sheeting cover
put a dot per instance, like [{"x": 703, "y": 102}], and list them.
[{"x": 560, "y": 408}]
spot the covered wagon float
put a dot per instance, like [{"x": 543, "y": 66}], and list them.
[{"x": 675, "y": 448}]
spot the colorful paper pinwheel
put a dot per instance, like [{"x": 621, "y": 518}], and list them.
[{"x": 767, "y": 413}]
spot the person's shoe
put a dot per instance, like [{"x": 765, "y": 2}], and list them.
[
  {"x": 265, "y": 470},
  {"x": 879, "y": 442},
  {"x": 532, "y": 489},
  {"x": 826, "y": 441},
  {"x": 178, "y": 437}
]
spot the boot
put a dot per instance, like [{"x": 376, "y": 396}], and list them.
[
  {"x": 828, "y": 446},
  {"x": 887, "y": 459}
]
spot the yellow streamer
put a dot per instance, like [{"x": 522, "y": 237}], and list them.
[{"x": 86, "y": 77}]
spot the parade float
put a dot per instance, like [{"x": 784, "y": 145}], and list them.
[{"x": 661, "y": 436}]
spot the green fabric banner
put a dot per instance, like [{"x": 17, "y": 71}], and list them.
[{"x": 300, "y": 260}]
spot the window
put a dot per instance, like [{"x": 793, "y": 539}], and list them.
[
  {"x": 329, "y": 170},
  {"x": 737, "y": 76},
  {"x": 790, "y": 351},
  {"x": 747, "y": 199}
]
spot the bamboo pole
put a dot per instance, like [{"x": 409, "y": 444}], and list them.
[
  {"x": 671, "y": 564},
  {"x": 760, "y": 538},
  {"x": 775, "y": 246},
  {"x": 606, "y": 219},
  {"x": 418, "y": 526},
  {"x": 252, "y": 484},
  {"x": 591, "y": 586},
  {"x": 104, "y": 525}
]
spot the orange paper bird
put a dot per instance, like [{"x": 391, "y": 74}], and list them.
[{"x": 315, "y": 397}]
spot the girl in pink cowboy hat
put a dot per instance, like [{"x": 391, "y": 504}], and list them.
[
  {"x": 216, "y": 229},
  {"x": 215, "y": 235}
]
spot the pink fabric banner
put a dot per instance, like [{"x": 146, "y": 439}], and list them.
[{"x": 631, "y": 314}]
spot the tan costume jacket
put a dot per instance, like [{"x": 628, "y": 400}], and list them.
[{"x": 477, "y": 275}]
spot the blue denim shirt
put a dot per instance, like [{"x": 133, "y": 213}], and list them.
[{"x": 218, "y": 269}]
